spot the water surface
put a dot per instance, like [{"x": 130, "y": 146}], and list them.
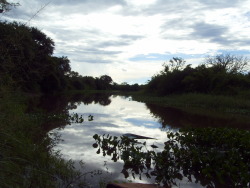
[{"x": 118, "y": 115}]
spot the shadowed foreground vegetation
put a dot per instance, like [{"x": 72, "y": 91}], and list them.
[
  {"x": 27, "y": 158},
  {"x": 212, "y": 157}
]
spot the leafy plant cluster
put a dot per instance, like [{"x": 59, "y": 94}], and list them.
[
  {"x": 213, "y": 157},
  {"x": 222, "y": 74},
  {"x": 122, "y": 148}
]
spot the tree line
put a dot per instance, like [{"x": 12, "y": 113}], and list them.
[
  {"x": 223, "y": 74},
  {"x": 28, "y": 64}
]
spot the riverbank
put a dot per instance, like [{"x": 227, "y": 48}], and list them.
[
  {"x": 200, "y": 102},
  {"x": 220, "y": 103},
  {"x": 211, "y": 105},
  {"x": 27, "y": 158}
]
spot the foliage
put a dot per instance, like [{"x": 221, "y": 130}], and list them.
[
  {"x": 229, "y": 63},
  {"x": 26, "y": 60},
  {"x": 214, "y": 157},
  {"x": 27, "y": 158},
  {"x": 174, "y": 64},
  {"x": 78, "y": 82},
  {"x": 222, "y": 74},
  {"x": 126, "y": 87},
  {"x": 27, "y": 64},
  {"x": 106, "y": 79},
  {"x": 6, "y": 6}
]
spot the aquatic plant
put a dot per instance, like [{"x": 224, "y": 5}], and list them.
[{"x": 213, "y": 157}]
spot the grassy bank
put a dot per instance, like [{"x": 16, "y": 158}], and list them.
[
  {"x": 26, "y": 155},
  {"x": 203, "y": 103},
  {"x": 200, "y": 102}
]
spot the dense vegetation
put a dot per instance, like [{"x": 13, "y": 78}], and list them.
[
  {"x": 28, "y": 64},
  {"x": 220, "y": 75},
  {"x": 27, "y": 158},
  {"x": 211, "y": 157}
]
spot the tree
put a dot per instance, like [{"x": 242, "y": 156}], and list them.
[
  {"x": 104, "y": 82},
  {"x": 228, "y": 63},
  {"x": 62, "y": 64},
  {"x": 6, "y": 6},
  {"x": 44, "y": 44},
  {"x": 175, "y": 64},
  {"x": 106, "y": 79},
  {"x": 72, "y": 74},
  {"x": 26, "y": 60},
  {"x": 222, "y": 74}
]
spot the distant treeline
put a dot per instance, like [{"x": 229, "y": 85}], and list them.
[
  {"x": 27, "y": 64},
  {"x": 223, "y": 74}
]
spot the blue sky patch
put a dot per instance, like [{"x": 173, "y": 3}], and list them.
[
  {"x": 163, "y": 57},
  {"x": 143, "y": 122}
]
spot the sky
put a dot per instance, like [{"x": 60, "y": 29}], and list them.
[{"x": 130, "y": 40}]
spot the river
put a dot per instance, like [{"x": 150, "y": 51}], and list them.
[{"x": 118, "y": 115}]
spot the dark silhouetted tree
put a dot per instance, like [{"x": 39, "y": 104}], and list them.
[
  {"x": 222, "y": 74},
  {"x": 229, "y": 63}
]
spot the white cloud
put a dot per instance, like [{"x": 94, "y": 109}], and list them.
[
  {"x": 102, "y": 37},
  {"x": 141, "y": 3}
]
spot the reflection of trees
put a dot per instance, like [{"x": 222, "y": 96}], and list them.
[
  {"x": 212, "y": 157},
  {"x": 177, "y": 118},
  {"x": 97, "y": 98},
  {"x": 60, "y": 105}
]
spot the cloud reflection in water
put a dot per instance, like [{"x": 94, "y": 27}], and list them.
[{"x": 121, "y": 116}]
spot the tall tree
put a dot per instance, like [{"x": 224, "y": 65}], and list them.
[
  {"x": 26, "y": 59},
  {"x": 106, "y": 79},
  {"x": 229, "y": 63}
]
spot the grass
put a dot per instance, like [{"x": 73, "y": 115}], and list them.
[
  {"x": 193, "y": 102},
  {"x": 26, "y": 155},
  {"x": 205, "y": 102}
]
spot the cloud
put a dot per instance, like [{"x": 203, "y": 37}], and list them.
[
  {"x": 87, "y": 5},
  {"x": 122, "y": 40},
  {"x": 131, "y": 37},
  {"x": 112, "y": 43},
  {"x": 88, "y": 55},
  {"x": 217, "y": 4},
  {"x": 187, "y": 7},
  {"x": 217, "y": 34},
  {"x": 135, "y": 35},
  {"x": 63, "y": 7},
  {"x": 212, "y": 32}
]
